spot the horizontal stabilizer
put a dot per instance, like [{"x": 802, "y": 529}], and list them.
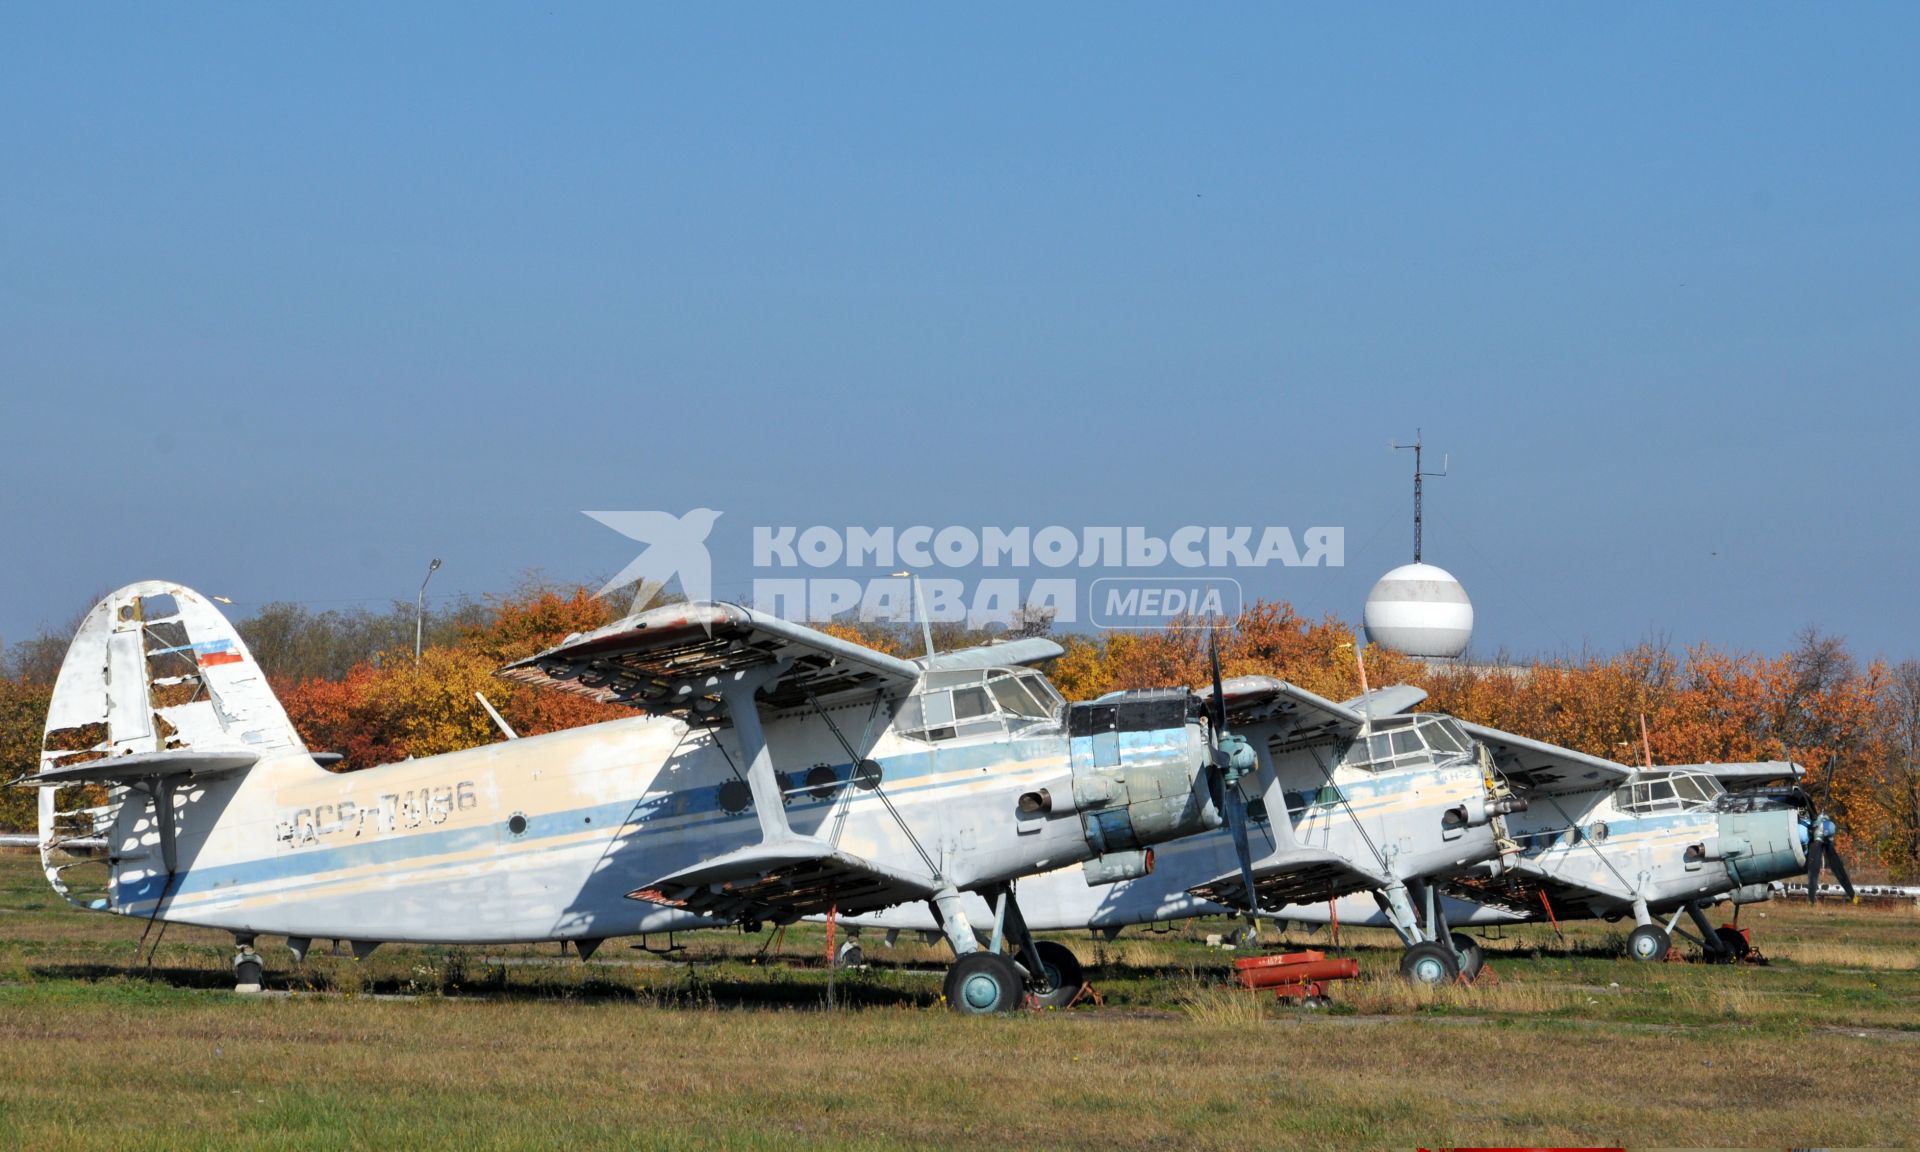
[
  {"x": 142, "y": 765},
  {"x": 783, "y": 880},
  {"x": 1291, "y": 876}
]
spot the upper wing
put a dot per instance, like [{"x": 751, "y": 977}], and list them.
[
  {"x": 782, "y": 880},
  {"x": 672, "y": 659},
  {"x": 1740, "y": 775},
  {"x": 1268, "y": 700},
  {"x": 1291, "y": 875},
  {"x": 1541, "y": 767},
  {"x": 1389, "y": 701},
  {"x": 998, "y": 654}
]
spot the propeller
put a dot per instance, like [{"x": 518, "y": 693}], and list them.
[
  {"x": 1823, "y": 854},
  {"x": 1233, "y": 760}
]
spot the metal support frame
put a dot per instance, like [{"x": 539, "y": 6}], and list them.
[
  {"x": 1709, "y": 939},
  {"x": 1007, "y": 916},
  {"x": 1424, "y": 922},
  {"x": 953, "y": 921},
  {"x": 1396, "y": 901},
  {"x": 740, "y": 694}
]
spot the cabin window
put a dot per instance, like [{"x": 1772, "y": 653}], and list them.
[
  {"x": 1442, "y": 736},
  {"x": 1014, "y": 699},
  {"x": 956, "y": 704},
  {"x": 970, "y": 702}
]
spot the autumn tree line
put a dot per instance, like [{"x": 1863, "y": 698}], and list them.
[{"x": 350, "y": 684}]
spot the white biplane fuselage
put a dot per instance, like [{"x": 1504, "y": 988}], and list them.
[{"x": 781, "y": 773}]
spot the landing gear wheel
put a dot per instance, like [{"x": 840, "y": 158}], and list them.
[
  {"x": 1429, "y": 963},
  {"x": 849, "y": 955},
  {"x": 1733, "y": 947},
  {"x": 980, "y": 983},
  {"x": 247, "y": 971},
  {"x": 1649, "y": 942},
  {"x": 1245, "y": 936},
  {"x": 1060, "y": 969},
  {"x": 1470, "y": 953}
]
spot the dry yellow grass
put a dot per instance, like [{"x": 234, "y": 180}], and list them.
[{"x": 521, "y": 1048}]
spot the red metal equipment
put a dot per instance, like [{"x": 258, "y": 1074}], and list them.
[{"x": 1295, "y": 975}]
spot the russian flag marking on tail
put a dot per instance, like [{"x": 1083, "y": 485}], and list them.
[
  {"x": 212, "y": 652},
  {"x": 207, "y": 653}
]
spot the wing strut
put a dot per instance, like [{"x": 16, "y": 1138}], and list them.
[
  {"x": 739, "y": 695},
  {"x": 853, "y": 758}
]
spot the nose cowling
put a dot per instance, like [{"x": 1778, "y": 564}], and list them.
[
  {"x": 1140, "y": 775},
  {"x": 1762, "y": 845}
]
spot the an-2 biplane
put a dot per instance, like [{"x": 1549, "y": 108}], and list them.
[{"x": 776, "y": 772}]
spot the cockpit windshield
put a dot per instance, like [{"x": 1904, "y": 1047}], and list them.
[
  {"x": 1407, "y": 741},
  {"x": 951, "y": 705},
  {"x": 1667, "y": 792}
]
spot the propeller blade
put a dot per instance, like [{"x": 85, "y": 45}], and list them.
[
  {"x": 1219, "y": 710},
  {"x": 1237, "y": 823}
]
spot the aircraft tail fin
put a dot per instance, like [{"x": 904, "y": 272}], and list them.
[
  {"x": 154, "y": 668},
  {"x": 158, "y": 678}
]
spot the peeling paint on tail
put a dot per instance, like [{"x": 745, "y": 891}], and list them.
[{"x": 155, "y": 667}]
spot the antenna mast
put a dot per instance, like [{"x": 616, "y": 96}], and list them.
[{"x": 1418, "y": 475}]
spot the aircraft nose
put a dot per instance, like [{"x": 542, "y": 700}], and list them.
[{"x": 1762, "y": 845}]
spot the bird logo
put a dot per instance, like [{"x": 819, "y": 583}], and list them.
[{"x": 675, "y": 546}]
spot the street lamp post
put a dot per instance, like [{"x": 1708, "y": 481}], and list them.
[{"x": 420, "y": 609}]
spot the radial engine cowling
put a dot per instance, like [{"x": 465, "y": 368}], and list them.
[{"x": 1140, "y": 763}]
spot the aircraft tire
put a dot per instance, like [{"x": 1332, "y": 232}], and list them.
[
  {"x": 981, "y": 983},
  {"x": 849, "y": 955},
  {"x": 1429, "y": 963},
  {"x": 1470, "y": 953},
  {"x": 1649, "y": 942},
  {"x": 1060, "y": 968},
  {"x": 1733, "y": 947},
  {"x": 247, "y": 972}
]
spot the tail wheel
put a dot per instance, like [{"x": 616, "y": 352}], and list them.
[
  {"x": 981, "y": 983},
  {"x": 1470, "y": 953},
  {"x": 1429, "y": 963},
  {"x": 1060, "y": 968},
  {"x": 1649, "y": 942}
]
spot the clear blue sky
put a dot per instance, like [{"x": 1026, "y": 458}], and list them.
[{"x": 293, "y": 300}]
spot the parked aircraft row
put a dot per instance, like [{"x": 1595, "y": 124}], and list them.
[{"x": 773, "y": 772}]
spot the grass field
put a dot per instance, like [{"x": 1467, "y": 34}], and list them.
[{"x": 518, "y": 1047}]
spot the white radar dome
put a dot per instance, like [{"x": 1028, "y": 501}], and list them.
[{"x": 1420, "y": 610}]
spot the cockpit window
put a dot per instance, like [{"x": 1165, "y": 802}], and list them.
[
  {"x": 970, "y": 702},
  {"x": 1014, "y": 699},
  {"x": 954, "y": 704},
  {"x": 1043, "y": 693},
  {"x": 1674, "y": 792},
  {"x": 1445, "y": 736}
]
